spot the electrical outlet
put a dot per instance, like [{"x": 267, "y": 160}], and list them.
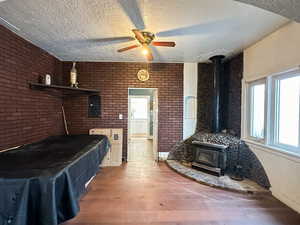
[{"x": 120, "y": 116}]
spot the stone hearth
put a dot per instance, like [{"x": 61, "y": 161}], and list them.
[
  {"x": 224, "y": 182},
  {"x": 252, "y": 168}
]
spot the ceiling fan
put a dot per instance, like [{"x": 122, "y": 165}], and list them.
[{"x": 145, "y": 39}]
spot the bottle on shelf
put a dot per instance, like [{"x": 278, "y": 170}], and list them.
[{"x": 73, "y": 76}]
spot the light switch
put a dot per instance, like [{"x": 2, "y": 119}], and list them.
[{"x": 120, "y": 116}]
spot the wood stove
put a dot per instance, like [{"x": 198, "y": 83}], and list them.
[{"x": 211, "y": 157}]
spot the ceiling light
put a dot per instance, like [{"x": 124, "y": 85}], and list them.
[{"x": 145, "y": 51}]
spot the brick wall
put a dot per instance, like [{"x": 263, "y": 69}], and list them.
[
  {"x": 113, "y": 80},
  {"x": 25, "y": 115}
]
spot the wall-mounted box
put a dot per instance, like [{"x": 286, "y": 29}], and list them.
[{"x": 94, "y": 106}]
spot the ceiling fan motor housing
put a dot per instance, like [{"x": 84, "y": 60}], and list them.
[{"x": 148, "y": 36}]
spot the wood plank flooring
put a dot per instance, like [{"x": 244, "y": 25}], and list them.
[
  {"x": 140, "y": 150},
  {"x": 147, "y": 193}
]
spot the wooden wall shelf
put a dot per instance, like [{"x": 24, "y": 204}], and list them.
[{"x": 65, "y": 90}]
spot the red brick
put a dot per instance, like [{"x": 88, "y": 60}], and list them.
[
  {"x": 28, "y": 115},
  {"x": 21, "y": 107},
  {"x": 113, "y": 80}
]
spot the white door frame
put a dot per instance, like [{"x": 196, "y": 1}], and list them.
[
  {"x": 155, "y": 124},
  {"x": 155, "y": 121}
]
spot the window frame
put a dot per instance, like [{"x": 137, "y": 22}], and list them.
[
  {"x": 271, "y": 109},
  {"x": 249, "y": 108},
  {"x": 274, "y": 111}
]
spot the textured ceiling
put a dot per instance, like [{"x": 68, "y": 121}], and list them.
[
  {"x": 81, "y": 30},
  {"x": 287, "y": 8}
]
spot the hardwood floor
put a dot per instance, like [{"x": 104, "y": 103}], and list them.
[
  {"x": 144, "y": 192},
  {"x": 140, "y": 150}
]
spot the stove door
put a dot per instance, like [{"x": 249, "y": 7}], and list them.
[{"x": 207, "y": 157}]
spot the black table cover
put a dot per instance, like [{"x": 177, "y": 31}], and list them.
[{"x": 41, "y": 183}]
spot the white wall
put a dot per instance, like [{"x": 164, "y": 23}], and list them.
[
  {"x": 283, "y": 172},
  {"x": 278, "y": 52},
  {"x": 190, "y": 99}
]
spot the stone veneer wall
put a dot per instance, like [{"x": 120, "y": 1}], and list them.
[
  {"x": 252, "y": 168},
  {"x": 230, "y": 98},
  {"x": 205, "y": 95},
  {"x": 230, "y": 121},
  {"x": 233, "y": 70}
]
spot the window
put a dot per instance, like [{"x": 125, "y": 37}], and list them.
[
  {"x": 257, "y": 110},
  {"x": 286, "y": 94},
  {"x": 273, "y": 111}
]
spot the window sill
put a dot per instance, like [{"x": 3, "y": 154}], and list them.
[{"x": 274, "y": 150}]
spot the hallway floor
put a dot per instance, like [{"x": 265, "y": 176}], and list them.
[
  {"x": 147, "y": 193},
  {"x": 140, "y": 149}
]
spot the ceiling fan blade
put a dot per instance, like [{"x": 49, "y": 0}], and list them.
[
  {"x": 199, "y": 29},
  {"x": 139, "y": 36},
  {"x": 113, "y": 40},
  {"x": 149, "y": 54},
  {"x": 164, "y": 43},
  {"x": 132, "y": 8},
  {"x": 110, "y": 40},
  {"x": 128, "y": 48}
]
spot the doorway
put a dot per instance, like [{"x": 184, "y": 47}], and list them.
[{"x": 142, "y": 124}]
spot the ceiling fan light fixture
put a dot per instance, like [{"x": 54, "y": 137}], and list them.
[
  {"x": 145, "y": 39},
  {"x": 145, "y": 51}
]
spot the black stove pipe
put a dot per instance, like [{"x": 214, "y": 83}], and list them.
[{"x": 216, "y": 110}]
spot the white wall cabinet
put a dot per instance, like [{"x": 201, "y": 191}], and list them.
[{"x": 115, "y": 136}]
